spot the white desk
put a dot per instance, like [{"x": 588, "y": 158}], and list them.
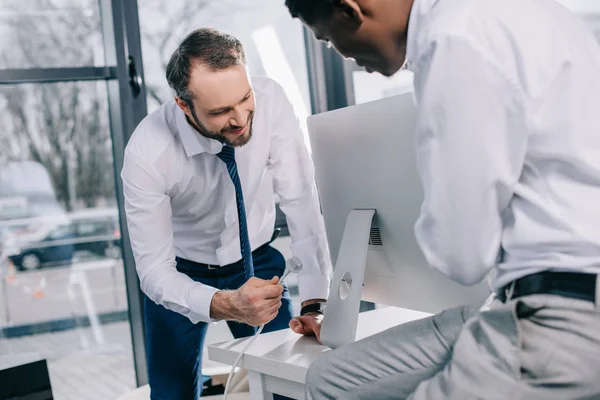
[{"x": 277, "y": 362}]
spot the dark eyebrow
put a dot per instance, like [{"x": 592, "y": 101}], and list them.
[{"x": 228, "y": 108}]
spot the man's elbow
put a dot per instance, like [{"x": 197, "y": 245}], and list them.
[
  {"x": 147, "y": 287},
  {"x": 151, "y": 278}
]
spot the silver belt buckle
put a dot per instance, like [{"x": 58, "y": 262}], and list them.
[{"x": 212, "y": 267}]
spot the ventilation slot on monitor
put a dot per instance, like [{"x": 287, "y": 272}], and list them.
[{"x": 375, "y": 237}]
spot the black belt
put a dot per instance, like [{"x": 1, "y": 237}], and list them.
[{"x": 575, "y": 285}]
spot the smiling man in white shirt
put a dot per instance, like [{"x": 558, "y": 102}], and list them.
[
  {"x": 199, "y": 179},
  {"x": 508, "y": 149}
]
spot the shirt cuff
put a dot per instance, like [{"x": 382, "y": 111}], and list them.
[
  {"x": 314, "y": 279},
  {"x": 199, "y": 302},
  {"x": 313, "y": 287}
]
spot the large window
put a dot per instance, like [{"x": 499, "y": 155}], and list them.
[
  {"x": 63, "y": 292},
  {"x": 50, "y": 34}
]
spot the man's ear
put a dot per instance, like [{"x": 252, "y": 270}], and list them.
[
  {"x": 183, "y": 105},
  {"x": 350, "y": 9}
]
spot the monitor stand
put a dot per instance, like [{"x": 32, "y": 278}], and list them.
[{"x": 341, "y": 313}]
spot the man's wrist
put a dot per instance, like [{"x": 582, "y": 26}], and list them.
[
  {"x": 221, "y": 305},
  {"x": 312, "y": 301},
  {"x": 313, "y": 308}
]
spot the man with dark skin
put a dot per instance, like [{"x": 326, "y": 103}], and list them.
[{"x": 508, "y": 151}]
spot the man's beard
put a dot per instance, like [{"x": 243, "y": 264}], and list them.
[{"x": 220, "y": 136}]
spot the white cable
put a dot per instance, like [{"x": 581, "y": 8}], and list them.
[
  {"x": 292, "y": 265},
  {"x": 237, "y": 361}
]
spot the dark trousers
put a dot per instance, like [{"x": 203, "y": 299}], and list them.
[{"x": 174, "y": 344}]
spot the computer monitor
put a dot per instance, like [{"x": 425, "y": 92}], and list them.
[{"x": 371, "y": 197}]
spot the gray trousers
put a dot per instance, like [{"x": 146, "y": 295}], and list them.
[{"x": 535, "y": 347}]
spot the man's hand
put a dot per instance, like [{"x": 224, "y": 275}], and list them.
[
  {"x": 256, "y": 303},
  {"x": 308, "y": 325}
]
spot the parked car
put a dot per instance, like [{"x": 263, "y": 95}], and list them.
[
  {"x": 47, "y": 243},
  {"x": 97, "y": 231},
  {"x": 89, "y": 232}
]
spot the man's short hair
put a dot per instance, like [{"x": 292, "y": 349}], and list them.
[
  {"x": 310, "y": 11},
  {"x": 209, "y": 47}
]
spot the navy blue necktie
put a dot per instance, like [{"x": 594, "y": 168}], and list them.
[{"x": 227, "y": 155}]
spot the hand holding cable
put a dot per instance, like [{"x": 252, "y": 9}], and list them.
[
  {"x": 256, "y": 303},
  {"x": 293, "y": 265}
]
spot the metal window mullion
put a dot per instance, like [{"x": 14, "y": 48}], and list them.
[
  {"x": 51, "y": 75},
  {"x": 349, "y": 68},
  {"x": 315, "y": 69},
  {"x": 121, "y": 39}
]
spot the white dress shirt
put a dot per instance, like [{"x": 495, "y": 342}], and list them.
[
  {"x": 508, "y": 137},
  {"x": 180, "y": 200}
]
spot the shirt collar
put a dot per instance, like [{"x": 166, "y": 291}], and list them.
[
  {"x": 193, "y": 142},
  {"x": 418, "y": 13}
]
